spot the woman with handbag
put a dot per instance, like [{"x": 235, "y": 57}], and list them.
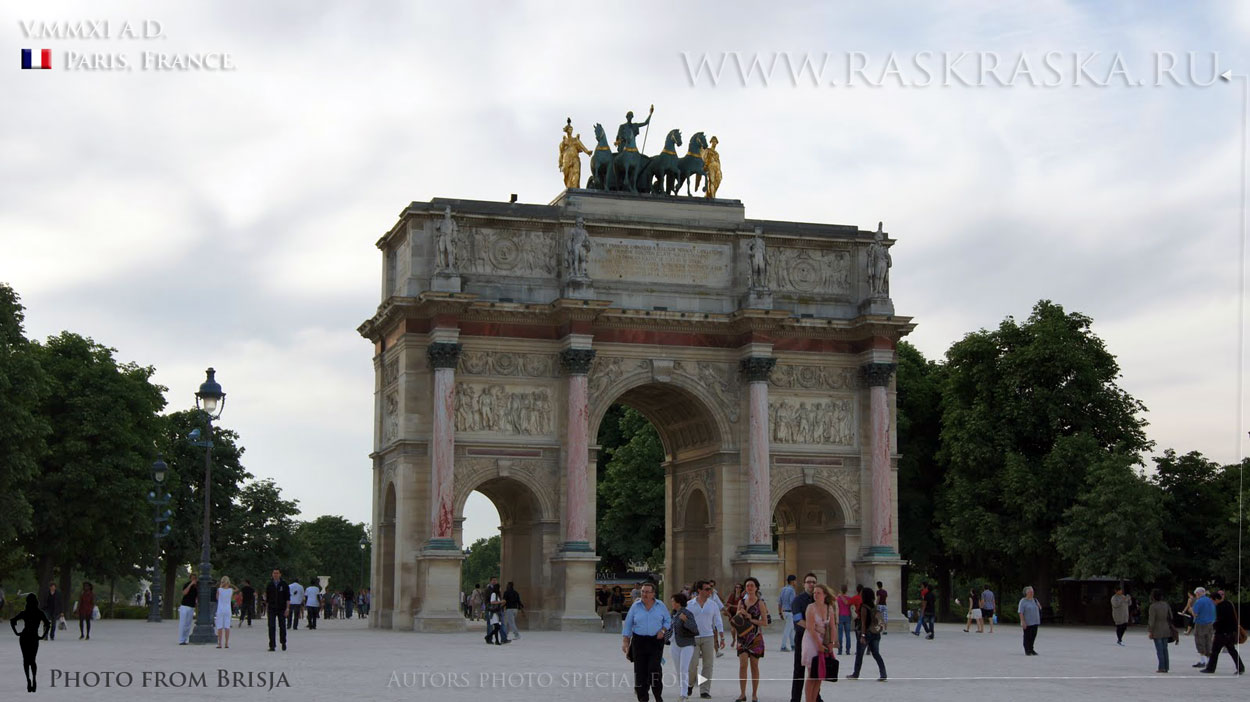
[
  {"x": 819, "y": 642},
  {"x": 749, "y": 622},
  {"x": 869, "y": 626},
  {"x": 85, "y": 608},
  {"x": 1159, "y": 627}
]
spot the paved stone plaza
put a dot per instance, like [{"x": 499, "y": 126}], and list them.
[{"x": 344, "y": 660}]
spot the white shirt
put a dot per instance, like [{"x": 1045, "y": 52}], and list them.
[
  {"x": 716, "y": 598},
  {"x": 707, "y": 616},
  {"x": 312, "y": 596},
  {"x": 297, "y": 594}
]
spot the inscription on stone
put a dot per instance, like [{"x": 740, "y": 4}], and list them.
[{"x": 661, "y": 262}]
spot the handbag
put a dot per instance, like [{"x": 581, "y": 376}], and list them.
[
  {"x": 95, "y": 613},
  {"x": 825, "y": 666},
  {"x": 1241, "y": 634}
]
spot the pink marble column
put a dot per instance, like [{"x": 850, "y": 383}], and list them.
[
  {"x": 443, "y": 358},
  {"x": 759, "y": 498},
  {"x": 576, "y": 362},
  {"x": 877, "y": 377}
]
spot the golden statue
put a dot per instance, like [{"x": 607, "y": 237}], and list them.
[
  {"x": 711, "y": 165},
  {"x": 571, "y": 149}
]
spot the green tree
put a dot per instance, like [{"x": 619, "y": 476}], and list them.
[
  {"x": 336, "y": 543},
  {"x": 263, "y": 534},
  {"x": 632, "y": 490},
  {"x": 88, "y": 499},
  {"x": 1115, "y": 528},
  {"x": 185, "y": 482},
  {"x": 1016, "y": 401},
  {"x": 1190, "y": 494},
  {"x": 481, "y": 563},
  {"x": 23, "y": 429},
  {"x": 1229, "y": 526}
]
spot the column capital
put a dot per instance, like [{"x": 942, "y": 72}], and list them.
[
  {"x": 756, "y": 368},
  {"x": 877, "y": 374},
  {"x": 443, "y": 354},
  {"x": 577, "y": 361}
]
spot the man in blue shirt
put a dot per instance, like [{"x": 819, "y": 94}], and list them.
[
  {"x": 643, "y": 632},
  {"x": 1204, "y": 625},
  {"x": 783, "y": 605}
]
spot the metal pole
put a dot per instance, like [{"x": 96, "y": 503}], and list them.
[{"x": 203, "y": 632}]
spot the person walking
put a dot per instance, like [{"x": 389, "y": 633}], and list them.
[
  {"x": 1159, "y": 628},
  {"x": 248, "y": 607},
  {"x": 296, "y": 604},
  {"x": 186, "y": 609},
  {"x": 1227, "y": 631},
  {"x": 882, "y": 596},
  {"x": 494, "y": 620},
  {"x": 511, "y": 605},
  {"x": 223, "y": 617},
  {"x": 1119, "y": 613},
  {"x": 1030, "y": 619},
  {"x": 349, "y": 600},
  {"x": 53, "y": 607},
  {"x": 974, "y": 611},
  {"x": 685, "y": 630},
  {"x": 748, "y": 624},
  {"x": 642, "y": 642},
  {"x": 844, "y": 620},
  {"x": 312, "y": 603},
  {"x": 710, "y": 639},
  {"x": 86, "y": 609},
  {"x": 928, "y": 606},
  {"x": 818, "y": 640},
  {"x": 28, "y": 637},
  {"x": 278, "y": 606},
  {"x": 987, "y": 606},
  {"x": 799, "y": 614},
  {"x": 1204, "y": 625},
  {"x": 475, "y": 602},
  {"x": 870, "y": 626},
  {"x": 783, "y": 607}
]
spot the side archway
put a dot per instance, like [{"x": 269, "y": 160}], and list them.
[{"x": 810, "y": 533}]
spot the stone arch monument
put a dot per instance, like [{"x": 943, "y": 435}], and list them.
[{"x": 762, "y": 351}]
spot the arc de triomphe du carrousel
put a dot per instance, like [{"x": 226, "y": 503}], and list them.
[{"x": 763, "y": 351}]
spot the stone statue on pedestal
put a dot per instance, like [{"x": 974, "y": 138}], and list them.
[
  {"x": 879, "y": 263},
  {"x": 445, "y": 244},
  {"x": 759, "y": 264},
  {"x": 578, "y": 253}
]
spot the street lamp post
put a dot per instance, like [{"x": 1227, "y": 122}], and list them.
[
  {"x": 364, "y": 546},
  {"x": 159, "y": 498},
  {"x": 210, "y": 400}
]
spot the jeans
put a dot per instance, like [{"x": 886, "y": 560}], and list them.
[
  {"x": 186, "y": 617},
  {"x": 787, "y": 633},
  {"x": 845, "y": 633},
  {"x": 1161, "y": 651},
  {"x": 1030, "y": 636},
  {"x": 926, "y": 621},
  {"x": 885, "y": 615},
  {"x": 509, "y": 623},
  {"x": 871, "y": 642},
  {"x": 293, "y": 620},
  {"x": 1119, "y": 631}
]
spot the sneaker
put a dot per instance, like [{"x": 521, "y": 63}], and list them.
[
  {"x": 1119, "y": 643},
  {"x": 881, "y": 679},
  {"x": 705, "y": 695},
  {"x": 914, "y": 633},
  {"x": 929, "y": 636}
]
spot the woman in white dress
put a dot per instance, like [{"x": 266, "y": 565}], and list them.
[{"x": 221, "y": 621}]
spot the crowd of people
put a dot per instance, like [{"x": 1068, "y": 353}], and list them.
[
  {"x": 499, "y": 609},
  {"x": 697, "y": 625}
]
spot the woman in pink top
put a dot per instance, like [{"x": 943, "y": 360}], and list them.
[
  {"x": 817, "y": 640},
  {"x": 845, "y": 602}
]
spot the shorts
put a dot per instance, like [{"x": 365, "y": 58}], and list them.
[
  {"x": 987, "y": 613},
  {"x": 975, "y": 614}
]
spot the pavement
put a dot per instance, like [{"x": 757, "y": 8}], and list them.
[{"x": 342, "y": 659}]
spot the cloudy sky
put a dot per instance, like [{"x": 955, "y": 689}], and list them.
[{"x": 228, "y": 218}]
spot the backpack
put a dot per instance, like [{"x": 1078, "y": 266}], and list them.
[{"x": 875, "y": 625}]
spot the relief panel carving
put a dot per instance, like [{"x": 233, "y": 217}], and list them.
[
  {"x": 809, "y": 270},
  {"x": 533, "y": 365},
  {"x": 517, "y": 410},
  {"x": 814, "y": 421},
  {"x": 788, "y": 376},
  {"x": 507, "y": 252}
]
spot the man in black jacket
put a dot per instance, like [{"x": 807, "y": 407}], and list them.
[
  {"x": 53, "y": 608},
  {"x": 1226, "y": 625},
  {"x": 249, "y": 603},
  {"x": 511, "y": 603},
  {"x": 278, "y": 606}
]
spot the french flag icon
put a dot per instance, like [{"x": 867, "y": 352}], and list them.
[{"x": 36, "y": 58}]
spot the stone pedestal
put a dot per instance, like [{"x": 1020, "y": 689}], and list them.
[
  {"x": 870, "y": 569},
  {"x": 764, "y": 566},
  {"x": 758, "y": 299},
  {"x": 877, "y": 305},
  {"x": 579, "y": 289},
  {"x": 445, "y": 281},
  {"x": 439, "y": 572},
  {"x": 574, "y": 574}
]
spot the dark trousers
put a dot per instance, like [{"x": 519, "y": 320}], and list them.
[
  {"x": 871, "y": 643},
  {"x": 313, "y": 612},
  {"x": 293, "y": 620},
  {"x": 82, "y": 619},
  {"x": 52, "y": 629},
  {"x": 1228, "y": 641},
  {"x": 246, "y": 611},
  {"x": 276, "y": 617},
  {"x": 348, "y": 606},
  {"x": 1119, "y": 631},
  {"x": 1030, "y": 636},
  {"x": 647, "y": 672}
]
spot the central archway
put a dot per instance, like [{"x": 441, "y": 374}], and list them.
[{"x": 698, "y": 449}]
